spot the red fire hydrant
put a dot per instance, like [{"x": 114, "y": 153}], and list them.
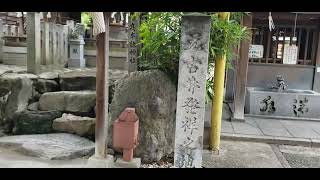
[{"x": 125, "y": 133}]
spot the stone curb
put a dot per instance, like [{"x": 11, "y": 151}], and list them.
[
  {"x": 281, "y": 117},
  {"x": 308, "y": 142}
]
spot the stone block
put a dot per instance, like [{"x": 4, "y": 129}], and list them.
[
  {"x": 96, "y": 162},
  {"x": 291, "y": 103},
  {"x": 68, "y": 101},
  {"x": 134, "y": 163}
]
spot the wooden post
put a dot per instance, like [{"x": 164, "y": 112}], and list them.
[
  {"x": 316, "y": 79},
  {"x": 33, "y": 43},
  {"x": 241, "y": 74},
  {"x": 217, "y": 103},
  {"x": 102, "y": 83}
]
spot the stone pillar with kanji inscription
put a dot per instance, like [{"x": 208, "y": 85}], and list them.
[
  {"x": 133, "y": 39},
  {"x": 193, "y": 67}
]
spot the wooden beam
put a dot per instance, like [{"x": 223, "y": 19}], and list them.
[{"x": 241, "y": 77}]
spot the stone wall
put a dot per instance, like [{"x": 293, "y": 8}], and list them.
[{"x": 24, "y": 97}]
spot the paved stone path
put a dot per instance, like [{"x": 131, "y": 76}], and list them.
[
  {"x": 293, "y": 132},
  {"x": 233, "y": 154},
  {"x": 274, "y": 127}
]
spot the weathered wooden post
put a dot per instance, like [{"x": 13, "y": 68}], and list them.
[
  {"x": 101, "y": 29},
  {"x": 316, "y": 79},
  {"x": 193, "y": 65},
  {"x": 217, "y": 103},
  {"x": 133, "y": 39},
  {"x": 241, "y": 74},
  {"x": 33, "y": 42}
]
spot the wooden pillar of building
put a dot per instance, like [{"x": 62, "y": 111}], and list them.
[
  {"x": 1, "y": 40},
  {"x": 230, "y": 78},
  {"x": 241, "y": 74},
  {"x": 102, "y": 83},
  {"x": 316, "y": 79},
  {"x": 33, "y": 43}
]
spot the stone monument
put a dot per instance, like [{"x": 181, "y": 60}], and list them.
[
  {"x": 133, "y": 26},
  {"x": 76, "y": 43},
  {"x": 193, "y": 65}
]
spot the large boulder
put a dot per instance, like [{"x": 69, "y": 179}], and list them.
[
  {"x": 50, "y": 146},
  {"x": 15, "y": 92},
  {"x": 69, "y": 123},
  {"x": 81, "y": 102},
  {"x": 34, "y": 122},
  {"x": 153, "y": 95}
]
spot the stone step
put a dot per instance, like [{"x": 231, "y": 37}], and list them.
[
  {"x": 85, "y": 79},
  {"x": 82, "y": 102},
  {"x": 69, "y": 123},
  {"x": 57, "y": 146}
]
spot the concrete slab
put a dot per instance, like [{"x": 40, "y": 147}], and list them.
[
  {"x": 301, "y": 157},
  {"x": 12, "y": 159},
  {"x": 135, "y": 163},
  {"x": 247, "y": 127},
  {"x": 300, "y": 129},
  {"x": 226, "y": 127},
  {"x": 315, "y": 126},
  {"x": 96, "y": 162},
  {"x": 248, "y": 138},
  {"x": 300, "y": 150},
  {"x": 293, "y": 141},
  {"x": 61, "y": 146},
  {"x": 236, "y": 154},
  {"x": 272, "y": 128}
]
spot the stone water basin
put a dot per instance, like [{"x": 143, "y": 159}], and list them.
[{"x": 290, "y": 103}]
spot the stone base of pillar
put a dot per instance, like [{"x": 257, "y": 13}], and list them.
[
  {"x": 79, "y": 63},
  {"x": 134, "y": 163},
  {"x": 233, "y": 119},
  {"x": 96, "y": 162}
]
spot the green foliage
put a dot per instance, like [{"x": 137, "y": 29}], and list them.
[
  {"x": 86, "y": 19},
  {"x": 160, "y": 39}
]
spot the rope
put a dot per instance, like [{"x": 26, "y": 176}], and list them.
[
  {"x": 98, "y": 22},
  {"x": 271, "y": 24}
]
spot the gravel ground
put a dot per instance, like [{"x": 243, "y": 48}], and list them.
[
  {"x": 166, "y": 162},
  {"x": 157, "y": 165},
  {"x": 299, "y": 161}
]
